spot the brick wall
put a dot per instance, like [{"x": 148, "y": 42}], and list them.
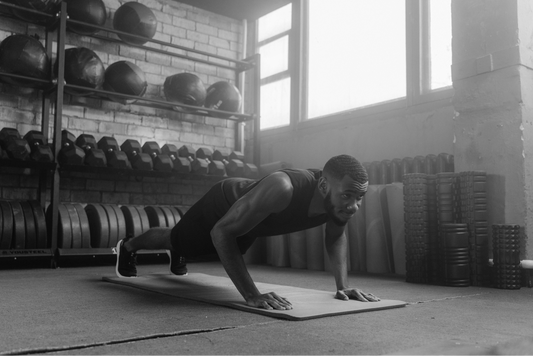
[{"x": 177, "y": 23}]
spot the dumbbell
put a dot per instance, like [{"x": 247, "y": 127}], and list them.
[
  {"x": 234, "y": 167},
  {"x": 181, "y": 164},
  {"x": 197, "y": 166},
  {"x": 70, "y": 153},
  {"x": 215, "y": 168},
  {"x": 138, "y": 159},
  {"x": 115, "y": 157},
  {"x": 250, "y": 169},
  {"x": 15, "y": 146},
  {"x": 40, "y": 150},
  {"x": 162, "y": 162},
  {"x": 94, "y": 156}
]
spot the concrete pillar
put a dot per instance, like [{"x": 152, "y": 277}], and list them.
[{"x": 493, "y": 123}]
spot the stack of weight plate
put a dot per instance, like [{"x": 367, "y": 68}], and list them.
[
  {"x": 506, "y": 251},
  {"x": 22, "y": 225},
  {"x": 416, "y": 227},
  {"x": 456, "y": 254},
  {"x": 446, "y": 202},
  {"x": 474, "y": 213},
  {"x": 433, "y": 229}
]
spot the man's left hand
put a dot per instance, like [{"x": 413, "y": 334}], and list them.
[{"x": 357, "y": 294}]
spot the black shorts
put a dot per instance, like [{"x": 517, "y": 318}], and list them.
[{"x": 191, "y": 237}]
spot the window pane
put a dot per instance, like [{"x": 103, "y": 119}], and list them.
[
  {"x": 356, "y": 54},
  {"x": 441, "y": 43},
  {"x": 274, "y": 57},
  {"x": 274, "y": 23},
  {"x": 275, "y": 104}
]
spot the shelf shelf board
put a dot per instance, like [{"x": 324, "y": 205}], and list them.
[
  {"x": 100, "y": 252},
  {"x": 24, "y": 253},
  {"x": 27, "y": 164}
]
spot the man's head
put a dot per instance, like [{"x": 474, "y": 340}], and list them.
[{"x": 343, "y": 184}]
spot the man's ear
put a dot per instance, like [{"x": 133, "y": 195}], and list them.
[{"x": 323, "y": 185}]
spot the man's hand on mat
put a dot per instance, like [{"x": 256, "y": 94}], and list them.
[
  {"x": 269, "y": 301},
  {"x": 357, "y": 294}
]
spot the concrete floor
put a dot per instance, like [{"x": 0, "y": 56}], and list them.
[{"x": 70, "y": 310}]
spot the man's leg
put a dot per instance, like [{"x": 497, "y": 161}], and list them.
[{"x": 156, "y": 238}]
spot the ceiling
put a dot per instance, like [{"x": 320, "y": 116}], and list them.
[{"x": 238, "y": 9}]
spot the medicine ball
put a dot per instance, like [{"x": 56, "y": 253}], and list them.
[
  {"x": 89, "y": 11},
  {"x": 126, "y": 78},
  {"x": 223, "y": 96},
  {"x": 137, "y": 19},
  {"x": 83, "y": 68},
  {"x": 46, "y": 6},
  {"x": 24, "y": 55},
  {"x": 185, "y": 88}
]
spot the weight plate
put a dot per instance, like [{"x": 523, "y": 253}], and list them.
[
  {"x": 144, "y": 218},
  {"x": 31, "y": 232},
  {"x": 133, "y": 220},
  {"x": 40, "y": 224},
  {"x": 98, "y": 225},
  {"x": 176, "y": 213},
  {"x": 19, "y": 228},
  {"x": 84, "y": 226},
  {"x": 155, "y": 216},
  {"x": 121, "y": 222},
  {"x": 7, "y": 226},
  {"x": 113, "y": 225},
  {"x": 65, "y": 228},
  {"x": 74, "y": 225},
  {"x": 171, "y": 221}
]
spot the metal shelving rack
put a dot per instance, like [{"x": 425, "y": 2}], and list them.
[{"x": 53, "y": 97}]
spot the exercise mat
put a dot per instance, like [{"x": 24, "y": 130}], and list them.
[{"x": 307, "y": 303}]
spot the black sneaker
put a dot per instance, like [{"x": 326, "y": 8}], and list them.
[
  {"x": 126, "y": 261},
  {"x": 177, "y": 266}
]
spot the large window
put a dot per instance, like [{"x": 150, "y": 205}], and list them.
[
  {"x": 356, "y": 53},
  {"x": 273, "y": 45}
]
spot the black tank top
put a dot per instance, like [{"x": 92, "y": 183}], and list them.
[{"x": 291, "y": 219}]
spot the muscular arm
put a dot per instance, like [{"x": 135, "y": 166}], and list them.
[
  {"x": 337, "y": 249},
  {"x": 271, "y": 195}
]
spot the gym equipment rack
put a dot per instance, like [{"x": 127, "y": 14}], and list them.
[{"x": 53, "y": 97}]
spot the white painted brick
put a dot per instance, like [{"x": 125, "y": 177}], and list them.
[
  {"x": 224, "y": 132},
  {"x": 198, "y": 16},
  {"x": 132, "y": 53},
  {"x": 221, "y": 22},
  {"x": 206, "y": 29},
  {"x": 204, "y": 47},
  {"x": 174, "y": 11},
  {"x": 184, "y": 23},
  {"x": 228, "y": 35},
  {"x": 189, "y": 137},
  {"x": 127, "y": 118},
  {"x": 219, "y": 42},
  {"x": 205, "y": 69},
  {"x": 141, "y": 131},
  {"x": 166, "y": 136},
  {"x": 181, "y": 64},
  {"x": 94, "y": 114},
  {"x": 152, "y": 4},
  {"x": 158, "y": 58},
  {"x": 215, "y": 121},
  {"x": 108, "y": 128},
  {"x": 155, "y": 122},
  {"x": 215, "y": 141},
  {"x": 197, "y": 37},
  {"x": 149, "y": 68},
  {"x": 83, "y": 125},
  {"x": 163, "y": 17},
  {"x": 227, "y": 53}
]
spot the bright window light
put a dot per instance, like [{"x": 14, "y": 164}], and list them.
[
  {"x": 274, "y": 23},
  {"x": 357, "y": 54},
  {"x": 274, "y": 57},
  {"x": 441, "y": 43},
  {"x": 275, "y": 104}
]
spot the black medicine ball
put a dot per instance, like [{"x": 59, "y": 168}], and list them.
[
  {"x": 137, "y": 19},
  {"x": 89, "y": 11},
  {"x": 24, "y": 55},
  {"x": 223, "y": 96},
  {"x": 126, "y": 78},
  {"x": 83, "y": 68},
  {"x": 185, "y": 88},
  {"x": 46, "y": 6}
]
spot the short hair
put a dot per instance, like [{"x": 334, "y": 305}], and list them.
[{"x": 342, "y": 165}]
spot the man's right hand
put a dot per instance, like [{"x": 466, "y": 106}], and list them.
[{"x": 269, "y": 301}]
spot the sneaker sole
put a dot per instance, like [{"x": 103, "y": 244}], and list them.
[
  {"x": 117, "y": 252},
  {"x": 179, "y": 275}
]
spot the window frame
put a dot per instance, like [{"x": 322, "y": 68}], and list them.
[{"x": 418, "y": 86}]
